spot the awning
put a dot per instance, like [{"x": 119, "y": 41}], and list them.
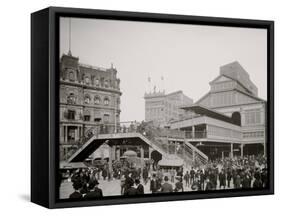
[
  {"x": 171, "y": 162},
  {"x": 72, "y": 165},
  {"x": 201, "y": 110},
  {"x": 130, "y": 153}
]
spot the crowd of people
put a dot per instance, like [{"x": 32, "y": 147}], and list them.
[{"x": 227, "y": 173}]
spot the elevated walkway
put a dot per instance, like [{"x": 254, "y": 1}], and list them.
[
  {"x": 97, "y": 140},
  {"x": 188, "y": 152}
]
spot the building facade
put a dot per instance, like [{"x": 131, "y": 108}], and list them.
[
  {"x": 161, "y": 108},
  {"x": 230, "y": 119},
  {"x": 89, "y": 101}
]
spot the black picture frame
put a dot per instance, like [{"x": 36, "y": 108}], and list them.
[{"x": 45, "y": 102}]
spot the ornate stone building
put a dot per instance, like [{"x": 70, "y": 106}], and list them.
[
  {"x": 160, "y": 108},
  {"x": 89, "y": 101}
]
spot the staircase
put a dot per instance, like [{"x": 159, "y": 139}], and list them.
[{"x": 191, "y": 155}]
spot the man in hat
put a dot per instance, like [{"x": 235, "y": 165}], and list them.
[
  {"x": 130, "y": 190},
  {"x": 94, "y": 190},
  {"x": 76, "y": 194}
]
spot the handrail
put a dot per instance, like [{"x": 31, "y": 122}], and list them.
[{"x": 202, "y": 156}]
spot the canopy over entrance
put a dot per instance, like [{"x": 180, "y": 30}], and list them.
[
  {"x": 130, "y": 153},
  {"x": 171, "y": 162}
]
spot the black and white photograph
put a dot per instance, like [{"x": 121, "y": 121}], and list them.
[
  {"x": 151, "y": 108},
  {"x": 140, "y": 108}
]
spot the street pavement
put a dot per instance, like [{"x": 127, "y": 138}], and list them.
[{"x": 111, "y": 188}]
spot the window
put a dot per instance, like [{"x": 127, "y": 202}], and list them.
[
  {"x": 102, "y": 81},
  {"x": 253, "y": 117},
  {"x": 87, "y": 99},
  {"x": 106, "y": 118},
  {"x": 71, "y": 76},
  {"x": 87, "y": 117},
  {"x": 71, "y": 114},
  {"x": 71, "y": 99},
  {"x": 71, "y": 133},
  {"x": 97, "y": 82},
  {"x": 106, "y": 83},
  {"x": 97, "y": 100},
  {"x": 106, "y": 101},
  {"x": 87, "y": 80},
  {"x": 253, "y": 134}
]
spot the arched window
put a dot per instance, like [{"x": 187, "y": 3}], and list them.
[
  {"x": 71, "y": 99},
  {"x": 97, "y": 100},
  {"x": 97, "y": 82},
  {"x": 87, "y": 80},
  {"x": 106, "y": 101},
  {"x": 87, "y": 99},
  {"x": 106, "y": 83},
  {"x": 71, "y": 76}
]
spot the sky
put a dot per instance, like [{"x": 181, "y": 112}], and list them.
[{"x": 188, "y": 57}]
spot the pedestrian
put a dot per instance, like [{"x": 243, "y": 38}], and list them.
[
  {"x": 228, "y": 177},
  {"x": 208, "y": 184},
  {"x": 130, "y": 190},
  {"x": 179, "y": 185},
  {"x": 257, "y": 183},
  {"x": 186, "y": 178},
  {"x": 246, "y": 181},
  {"x": 173, "y": 173},
  {"x": 192, "y": 175},
  {"x": 76, "y": 194},
  {"x": 104, "y": 173},
  {"x": 122, "y": 184},
  {"x": 140, "y": 188},
  {"x": 166, "y": 187},
  {"x": 145, "y": 175},
  {"x": 94, "y": 191},
  {"x": 213, "y": 179},
  {"x": 222, "y": 179},
  {"x": 202, "y": 179},
  {"x": 237, "y": 182},
  {"x": 153, "y": 184},
  {"x": 196, "y": 185}
]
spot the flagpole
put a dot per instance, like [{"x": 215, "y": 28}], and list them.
[{"x": 69, "y": 34}]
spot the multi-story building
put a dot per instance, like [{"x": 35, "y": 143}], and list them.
[
  {"x": 230, "y": 118},
  {"x": 161, "y": 108},
  {"x": 89, "y": 101}
]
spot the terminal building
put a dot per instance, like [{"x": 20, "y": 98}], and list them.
[
  {"x": 89, "y": 102},
  {"x": 230, "y": 120},
  {"x": 161, "y": 108}
]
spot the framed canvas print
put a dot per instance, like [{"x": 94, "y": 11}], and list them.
[{"x": 139, "y": 107}]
